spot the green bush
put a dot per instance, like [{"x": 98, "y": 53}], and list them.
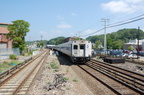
[
  {"x": 30, "y": 52},
  {"x": 23, "y": 54},
  {"x": 65, "y": 78},
  {"x": 12, "y": 56},
  {"x": 54, "y": 65},
  {"x": 75, "y": 80}
]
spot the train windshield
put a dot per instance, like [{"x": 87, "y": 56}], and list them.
[
  {"x": 81, "y": 46},
  {"x": 75, "y": 47}
]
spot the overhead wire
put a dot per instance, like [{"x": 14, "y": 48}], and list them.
[
  {"x": 93, "y": 32},
  {"x": 125, "y": 22},
  {"x": 131, "y": 20},
  {"x": 128, "y": 19}
]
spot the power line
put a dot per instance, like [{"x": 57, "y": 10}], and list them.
[
  {"x": 93, "y": 32},
  {"x": 125, "y": 22},
  {"x": 131, "y": 20}
]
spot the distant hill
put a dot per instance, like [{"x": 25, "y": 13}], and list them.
[
  {"x": 59, "y": 40},
  {"x": 116, "y": 40},
  {"x": 56, "y": 41}
]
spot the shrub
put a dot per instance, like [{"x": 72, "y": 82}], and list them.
[
  {"x": 23, "y": 54},
  {"x": 54, "y": 65},
  {"x": 75, "y": 80},
  {"x": 12, "y": 56},
  {"x": 30, "y": 52},
  {"x": 65, "y": 78}
]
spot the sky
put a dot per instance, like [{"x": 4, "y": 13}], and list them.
[{"x": 81, "y": 18}]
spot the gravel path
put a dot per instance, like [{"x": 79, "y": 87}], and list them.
[{"x": 60, "y": 81}]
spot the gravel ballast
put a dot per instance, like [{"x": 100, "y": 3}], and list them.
[{"x": 57, "y": 79}]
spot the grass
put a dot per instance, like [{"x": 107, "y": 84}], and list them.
[
  {"x": 75, "y": 80},
  {"x": 67, "y": 88},
  {"x": 65, "y": 78},
  {"x": 6, "y": 65},
  {"x": 54, "y": 65},
  {"x": 49, "y": 83}
]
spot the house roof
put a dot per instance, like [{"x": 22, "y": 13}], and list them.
[
  {"x": 4, "y": 30},
  {"x": 5, "y": 24}
]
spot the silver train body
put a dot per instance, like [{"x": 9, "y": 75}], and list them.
[{"x": 78, "y": 50}]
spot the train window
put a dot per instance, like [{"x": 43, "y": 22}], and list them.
[
  {"x": 75, "y": 47},
  {"x": 81, "y": 46}
]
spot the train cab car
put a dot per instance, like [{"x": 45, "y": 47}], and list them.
[
  {"x": 81, "y": 51},
  {"x": 78, "y": 50}
]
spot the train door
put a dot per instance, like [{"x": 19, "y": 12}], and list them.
[
  {"x": 75, "y": 50},
  {"x": 82, "y": 50}
]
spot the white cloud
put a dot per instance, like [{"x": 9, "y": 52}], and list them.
[
  {"x": 123, "y": 6},
  {"x": 56, "y": 32},
  {"x": 60, "y": 17},
  {"x": 134, "y": 1},
  {"x": 73, "y": 14},
  {"x": 43, "y": 33},
  {"x": 63, "y": 25}
]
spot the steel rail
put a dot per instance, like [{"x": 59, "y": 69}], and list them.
[
  {"x": 17, "y": 66},
  {"x": 119, "y": 68},
  {"x": 108, "y": 72},
  {"x": 112, "y": 89},
  {"x": 18, "y": 70},
  {"x": 121, "y": 77},
  {"x": 23, "y": 82},
  {"x": 131, "y": 74}
]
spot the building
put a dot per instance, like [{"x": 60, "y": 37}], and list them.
[
  {"x": 4, "y": 43},
  {"x": 71, "y": 39},
  {"x": 133, "y": 43}
]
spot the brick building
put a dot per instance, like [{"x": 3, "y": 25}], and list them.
[
  {"x": 71, "y": 39},
  {"x": 4, "y": 43}
]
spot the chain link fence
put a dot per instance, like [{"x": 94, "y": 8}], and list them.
[{"x": 5, "y": 52}]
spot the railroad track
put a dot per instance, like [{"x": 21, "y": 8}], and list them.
[
  {"x": 118, "y": 80},
  {"x": 126, "y": 60},
  {"x": 17, "y": 80}
]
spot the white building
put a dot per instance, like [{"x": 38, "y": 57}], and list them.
[{"x": 134, "y": 43}]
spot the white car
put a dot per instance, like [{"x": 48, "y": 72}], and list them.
[
  {"x": 123, "y": 55},
  {"x": 132, "y": 56}
]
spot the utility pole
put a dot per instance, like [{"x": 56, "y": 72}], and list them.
[
  {"x": 105, "y": 42},
  {"x": 138, "y": 42},
  {"x": 41, "y": 38},
  {"x": 41, "y": 42},
  {"x": 29, "y": 42},
  {"x": 79, "y": 35}
]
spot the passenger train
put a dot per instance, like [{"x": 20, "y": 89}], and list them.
[{"x": 77, "y": 50}]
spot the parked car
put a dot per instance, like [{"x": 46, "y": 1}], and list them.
[
  {"x": 132, "y": 56},
  {"x": 119, "y": 55},
  {"x": 141, "y": 53},
  {"x": 124, "y": 54}
]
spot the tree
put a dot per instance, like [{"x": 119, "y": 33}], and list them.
[
  {"x": 98, "y": 45},
  {"x": 109, "y": 43},
  {"x": 118, "y": 44},
  {"x": 56, "y": 41},
  {"x": 130, "y": 48},
  {"x": 41, "y": 44},
  {"x": 18, "y": 31},
  {"x": 116, "y": 40}
]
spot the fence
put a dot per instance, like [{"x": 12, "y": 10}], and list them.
[{"x": 5, "y": 52}]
